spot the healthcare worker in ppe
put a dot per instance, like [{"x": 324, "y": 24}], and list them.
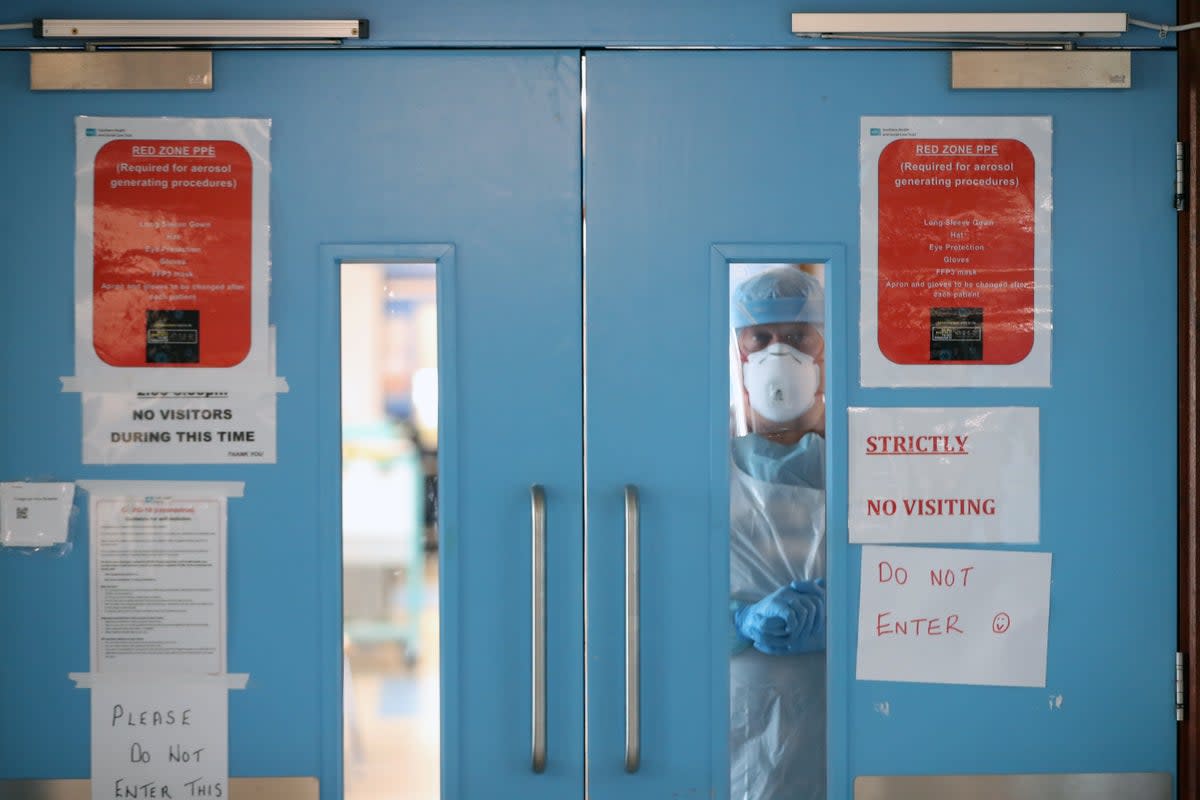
[{"x": 777, "y": 532}]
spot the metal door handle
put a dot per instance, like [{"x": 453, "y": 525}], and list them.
[
  {"x": 633, "y": 654},
  {"x": 537, "y": 497}
]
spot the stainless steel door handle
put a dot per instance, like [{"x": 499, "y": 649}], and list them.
[
  {"x": 633, "y": 653},
  {"x": 537, "y": 497}
]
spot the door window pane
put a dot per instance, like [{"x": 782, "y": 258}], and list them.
[
  {"x": 777, "y": 532},
  {"x": 389, "y": 531}
]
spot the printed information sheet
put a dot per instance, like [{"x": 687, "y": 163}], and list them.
[
  {"x": 933, "y": 615},
  {"x": 955, "y": 251},
  {"x": 157, "y": 583}
]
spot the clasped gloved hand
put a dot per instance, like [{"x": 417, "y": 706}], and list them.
[{"x": 789, "y": 620}]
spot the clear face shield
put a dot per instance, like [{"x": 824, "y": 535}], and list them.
[{"x": 777, "y": 350}]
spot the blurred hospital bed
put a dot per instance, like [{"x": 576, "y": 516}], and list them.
[{"x": 383, "y": 496}]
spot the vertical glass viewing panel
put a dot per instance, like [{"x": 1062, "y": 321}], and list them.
[
  {"x": 389, "y": 531},
  {"x": 777, "y": 532}
]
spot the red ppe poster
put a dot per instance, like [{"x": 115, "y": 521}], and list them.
[
  {"x": 171, "y": 254},
  {"x": 171, "y": 268},
  {"x": 955, "y": 251}
]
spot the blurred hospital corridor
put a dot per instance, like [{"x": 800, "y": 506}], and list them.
[{"x": 389, "y": 532}]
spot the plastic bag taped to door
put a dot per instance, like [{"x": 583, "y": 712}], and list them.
[
  {"x": 37, "y": 517},
  {"x": 777, "y": 532}
]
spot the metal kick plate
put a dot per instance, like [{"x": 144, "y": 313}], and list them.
[
  {"x": 239, "y": 789},
  {"x": 1064, "y": 786},
  {"x": 1074, "y": 69},
  {"x": 127, "y": 70}
]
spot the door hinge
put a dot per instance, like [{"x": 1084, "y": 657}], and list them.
[
  {"x": 1180, "y": 191},
  {"x": 1178, "y": 687}
]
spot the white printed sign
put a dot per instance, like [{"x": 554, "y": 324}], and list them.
[
  {"x": 160, "y": 738},
  {"x": 178, "y": 428},
  {"x": 157, "y": 583},
  {"x": 943, "y": 475},
  {"x": 934, "y": 615},
  {"x": 195, "y": 427}
]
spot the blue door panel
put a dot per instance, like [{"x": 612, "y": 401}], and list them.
[
  {"x": 478, "y": 151},
  {"x": 689, "y": 150}
]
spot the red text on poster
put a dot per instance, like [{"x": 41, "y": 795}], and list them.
[
  {"x": 956, "y": 251},
  {"x": 172, "y": 224}
]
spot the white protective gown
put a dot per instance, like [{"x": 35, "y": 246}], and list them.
[{"x": 777, "y": 702}]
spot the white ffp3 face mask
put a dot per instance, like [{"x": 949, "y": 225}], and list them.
[{"x": 781, "y": 381}]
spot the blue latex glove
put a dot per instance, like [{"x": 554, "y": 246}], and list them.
[{"x": 789, "y": 620}]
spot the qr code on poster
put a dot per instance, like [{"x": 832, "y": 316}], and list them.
[{"x": 22, "y": 512}]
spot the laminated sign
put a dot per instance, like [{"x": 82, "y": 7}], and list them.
[
  {"x": 171, "y": 254},
  {"x": 956, "y": 251}
]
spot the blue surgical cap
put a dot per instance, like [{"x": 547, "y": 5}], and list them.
[{"x": 779, "y": 294}]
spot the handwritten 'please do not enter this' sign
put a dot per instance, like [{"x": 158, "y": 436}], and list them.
[{"x": 160, "y": 739}]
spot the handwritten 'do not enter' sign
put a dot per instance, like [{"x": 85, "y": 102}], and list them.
[{"x": 936, "y": 615}]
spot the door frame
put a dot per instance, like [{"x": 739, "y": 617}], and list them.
[{"x": 1188, "y": 749}]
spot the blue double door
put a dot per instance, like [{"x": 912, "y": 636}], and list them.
[
  {"x": 698, "y": 160},
  {"x": 586, "y": 376}
]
